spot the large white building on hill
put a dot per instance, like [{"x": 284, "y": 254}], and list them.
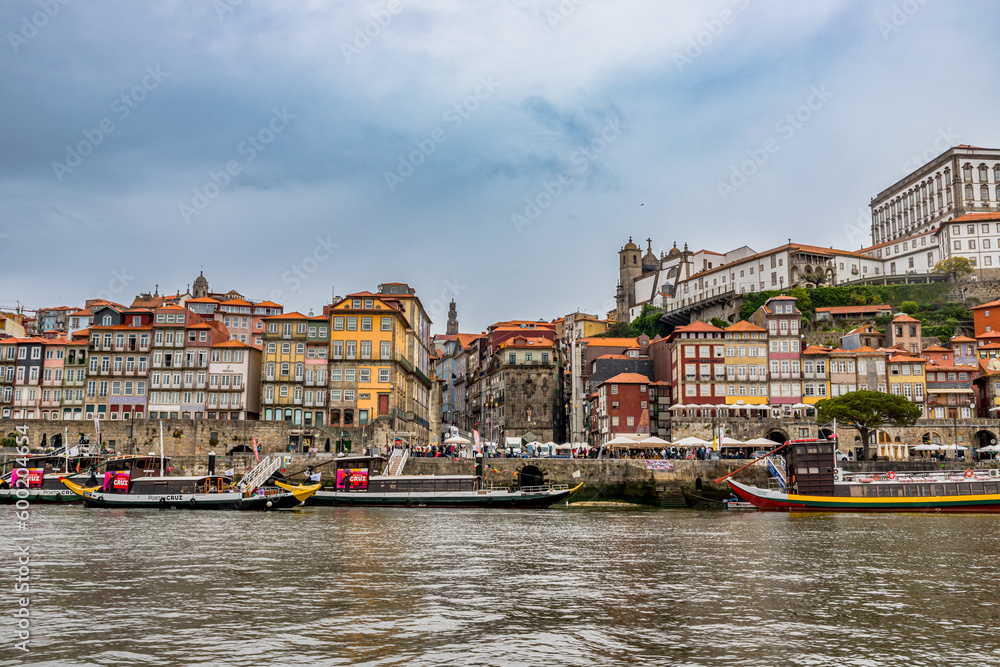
[{"x": 949, "y": 207}]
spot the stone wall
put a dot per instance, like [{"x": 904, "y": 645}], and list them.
[
  {"x": 981, "y": 290},
  {"x": 186, "y": 437}
]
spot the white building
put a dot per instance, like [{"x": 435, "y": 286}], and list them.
[{"x": 962, "y": 180}]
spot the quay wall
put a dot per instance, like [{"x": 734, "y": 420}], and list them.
[{"x": 187, "y": 443}]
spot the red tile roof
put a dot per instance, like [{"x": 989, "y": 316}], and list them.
[
  {"x": 861, "y": 310},
  {"x": 610, "y": 342},
  {"x": 698, "y": 327},
  {"x": 743, "y": 325},
  {"x": 627, "y": 378},
  {"x": 287, "y": 316},
  {"x": 903, "y": 317},
  {"x": 961, "y": 339}
]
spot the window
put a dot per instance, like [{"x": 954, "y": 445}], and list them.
[
  {"x": 365, "y": 375},
  {"x": 352, "y": 324},
  {"x": 366, "y": 324},
  {"x": 385, "y": 349},
  {"x": 383, "y": 375},
  {"x": 338, "y": 323}
]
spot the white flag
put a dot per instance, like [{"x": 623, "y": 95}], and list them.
[{"x": 576, "y": 474}]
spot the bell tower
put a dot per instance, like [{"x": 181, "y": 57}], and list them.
[
  {"x": 629, "y": 268},
  {"x": 452, "y": 328}
]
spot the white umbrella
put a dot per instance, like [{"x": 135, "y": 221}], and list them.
[
  {"x": 653, "y": 440},
  {"x": 927, "y": 448},
  {"x": 691, "y": 441},
  {"x": 763, "y": 441},
  {"x": 456, "y": 440},
  {"x": 801, "y": 406},
  {"x": 620, "y": 440},
  {"x": 990, "y": 448},
  {"x": 679, "y": 406},
  {"x": 731, "y": 442}
]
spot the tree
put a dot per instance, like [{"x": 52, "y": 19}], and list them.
[
  {"x": 866, "y": 411},
  {"x": 719, "y": 322},
  {"x": 818, "y": 277},
  {"x": 909, "y": 307},
  {"x": 955, "y": 267},
  {"x": 616, "y": 330},
  {"x": 648, "y": 322}
]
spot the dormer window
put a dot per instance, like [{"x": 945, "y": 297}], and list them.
[{"x": 107, "y": 320}]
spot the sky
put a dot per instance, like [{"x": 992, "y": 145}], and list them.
[{"x": 495, "y": 153}]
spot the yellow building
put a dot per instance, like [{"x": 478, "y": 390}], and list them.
[
  {"x": 815, "y": 374},
  {"x": 371, "y": 372},
  {"x": 906, "y": 378},
  {"x": 417, "y": 421},
  {"x": 283, "y": 359},
  {"x": 746, "y": 364}
]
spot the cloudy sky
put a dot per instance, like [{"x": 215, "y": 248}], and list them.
[{"x": 498, "y": 153}]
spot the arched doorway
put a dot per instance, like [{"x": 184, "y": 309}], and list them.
[
  {"x": 931, "y": 438},
  {"x": 240, "y": 449},
  {"x": 778, "y": 436},
  {"x": 531, "y": 476},
  {"x": 825, "y": 433},
  {"x": 983, "y": 438}
]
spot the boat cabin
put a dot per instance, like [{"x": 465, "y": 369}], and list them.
[
  {"x": 809, "y": 465},
  {"x": 171, "y": 485},
  {"x": 423, "y": 483}
]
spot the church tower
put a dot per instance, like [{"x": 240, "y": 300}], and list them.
[
  {"x": 452, "y": 320},
  {"x": 200, "y": 286},
  {"x": 629, "y": 268}
]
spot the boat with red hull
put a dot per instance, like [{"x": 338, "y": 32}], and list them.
[{"x": 808, "y": 480}]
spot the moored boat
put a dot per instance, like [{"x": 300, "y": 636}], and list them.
[
  {"x": 363, "y": 480},
  {"x": 810, "y": 481},
  {"x": 195, "y": 491},
  {"x": 43, "y": 474}
]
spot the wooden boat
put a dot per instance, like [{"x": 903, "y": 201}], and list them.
[
  {"x": 363, "y": 480},
  {"x": 731, "y": 504},
  {"x": 119, "y": 490},
  {"x": 45, "y": 472},
  {"x": 810, "y": 481}
]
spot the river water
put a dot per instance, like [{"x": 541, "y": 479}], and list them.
[{"x": 563, "y": 586}]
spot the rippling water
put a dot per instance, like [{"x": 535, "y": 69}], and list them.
[{"x": 564, "y": 586}]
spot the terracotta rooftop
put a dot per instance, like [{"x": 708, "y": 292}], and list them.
[
  {"x": 627, "y": 378},
  {"x": 743, "y": 325}
]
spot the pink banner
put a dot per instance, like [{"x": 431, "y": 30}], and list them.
[
  {"x": 352, "y": 480},
  {"x": 33, "y": 475},
  {"x": 116, "y": 482}
]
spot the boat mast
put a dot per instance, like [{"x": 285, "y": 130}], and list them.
[
  {"x": 66, "y": 446},
  {"x": 161, "y": 448}
]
